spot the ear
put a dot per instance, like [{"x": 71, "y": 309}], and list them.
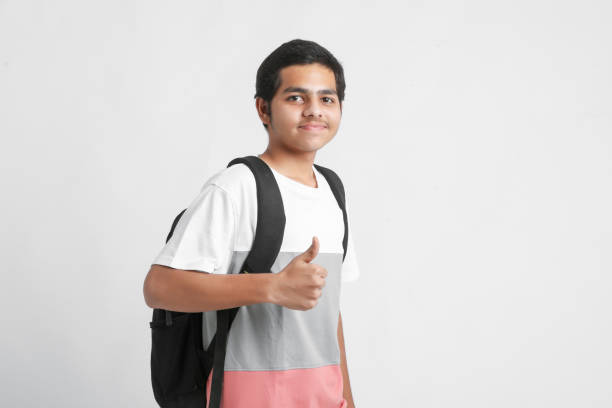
[{"x": 263, "y": 110}]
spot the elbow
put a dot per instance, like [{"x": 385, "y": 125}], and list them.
[{"x": 151, "y": 289}]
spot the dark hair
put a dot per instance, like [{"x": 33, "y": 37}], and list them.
[{"x": 294, "y": 52}]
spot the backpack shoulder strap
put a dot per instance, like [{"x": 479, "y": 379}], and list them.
[
  {"x": 338, "y": 189},
  {"x": 266, "y": 245},
  {"x": 270, "y": 227}
]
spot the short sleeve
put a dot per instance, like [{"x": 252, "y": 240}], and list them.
[
  {"x": 203, "y": 238},
  {"x": 350, "y": 267}
]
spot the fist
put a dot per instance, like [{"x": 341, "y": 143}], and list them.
[{"x": 299, "y": 285}]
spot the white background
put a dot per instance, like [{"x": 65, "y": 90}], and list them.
[{"x": 475, "y": 147}]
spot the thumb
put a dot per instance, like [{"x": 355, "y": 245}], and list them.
[{"x": 312, "y": 251}]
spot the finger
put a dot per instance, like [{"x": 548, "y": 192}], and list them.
[
  {"x": 322, "y": 272},
  {"x": 312, "y": 251}
]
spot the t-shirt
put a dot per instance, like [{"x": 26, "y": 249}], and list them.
[{"x": 276, "y": 356}]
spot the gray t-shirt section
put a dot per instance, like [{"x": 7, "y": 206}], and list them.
[{"x": 266, "y": 336}]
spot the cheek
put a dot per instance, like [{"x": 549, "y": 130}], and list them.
[
  {"x": 335, "y": 116},
  {"x": 287, "y": 116}
]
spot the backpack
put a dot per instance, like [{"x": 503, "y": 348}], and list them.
[{"x": 180, "y": 366}]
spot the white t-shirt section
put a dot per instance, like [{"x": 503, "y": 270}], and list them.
[{"x": 223, "y": 216}]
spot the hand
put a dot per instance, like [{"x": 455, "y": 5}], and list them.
[{"x": 299, "y": 284}]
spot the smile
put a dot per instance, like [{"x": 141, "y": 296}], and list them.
[{"x": 313, "y": 128}]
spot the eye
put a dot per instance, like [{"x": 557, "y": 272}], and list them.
[
  {"x": 293, "y": 96},
  {"x": 330, "y": 100}
]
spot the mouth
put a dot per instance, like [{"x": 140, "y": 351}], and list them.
[{"x": 313, "y": 128}]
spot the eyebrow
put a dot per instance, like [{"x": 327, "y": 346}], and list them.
[{"x": 304, "y": 90}]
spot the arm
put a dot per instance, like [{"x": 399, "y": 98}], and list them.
[
  {"x": 297, "y": 286},
  {"x": 347, "y": 394},
  {"x": 193, "y": 291}
]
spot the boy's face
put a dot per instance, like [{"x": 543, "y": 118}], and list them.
[{"x": 305, "y": 111}]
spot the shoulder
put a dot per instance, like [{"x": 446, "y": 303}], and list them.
[
  {"x": 236, "y": 180},
  {"x": 333, "y": 178},
  {"x": 328, "y": 171}
]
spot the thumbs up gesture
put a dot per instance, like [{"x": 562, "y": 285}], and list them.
[{"x": 298, "y": 286}]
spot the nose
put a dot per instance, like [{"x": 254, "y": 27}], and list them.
[{"x": 312, "y": 108}]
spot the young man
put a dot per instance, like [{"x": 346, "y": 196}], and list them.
[{"x": 286, "y": 345}]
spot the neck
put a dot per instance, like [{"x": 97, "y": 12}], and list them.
[{"x": 295, "y": 166}]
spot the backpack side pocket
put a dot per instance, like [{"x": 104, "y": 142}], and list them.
[{"x": 175, "y": 362}]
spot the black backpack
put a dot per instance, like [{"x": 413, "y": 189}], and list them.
[{"x": 179, "y": 364}]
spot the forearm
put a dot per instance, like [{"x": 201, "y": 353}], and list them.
[
  {"x": 193, "y": 291},
  {"x": 346, "y": 393}
]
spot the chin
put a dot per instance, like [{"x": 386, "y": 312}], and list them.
[
  {"x": 310, "y": 144},
  {"x": 302, "y": 148},
  {"x": 314, "y": 148}
]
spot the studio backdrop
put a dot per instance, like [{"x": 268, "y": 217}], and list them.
[{"x": 475, "y": 147}]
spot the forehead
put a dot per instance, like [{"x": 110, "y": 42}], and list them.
[{"x": 310, "y": 76}]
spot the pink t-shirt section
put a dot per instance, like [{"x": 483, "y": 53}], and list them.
[{"x": 282, "y": 388}]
